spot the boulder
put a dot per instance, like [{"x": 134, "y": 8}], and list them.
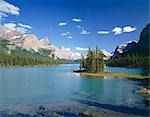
[{"x": 143, "y": 90}]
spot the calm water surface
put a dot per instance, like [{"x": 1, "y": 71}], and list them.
[{"x": 29, "y": 85}]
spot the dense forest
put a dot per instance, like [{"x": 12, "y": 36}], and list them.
[
  {"x": 138, "y": 56},
  {"x": 21, "y": 57},
  {"x": 131, "y": 60},
  {"x": 93, "y": 62}
]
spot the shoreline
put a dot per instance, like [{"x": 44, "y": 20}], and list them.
[
  {"x": 77, "y": 108},
  {"x": 116, "y": 75},
  {"x": 33, "y": 66}
]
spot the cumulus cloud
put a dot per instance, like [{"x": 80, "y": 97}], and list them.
[
  {"x": 78, "y": 26},
  {"x": 65, "y": 33},
  {"x": 10, "y": 26},
  {"x": 62, "y": 23},
  {"x": 102, "y": 32},
  {"x": 2, "y": 15},
  {"x": 24, "y": 25},
  {"x": 84, "y": 32},
  {"x": 69, "y": 37},
  {"x": 7, "y": 8},
  {"x": 128, "y": 29},
  {"x": 76, "y": 20},
  {"x": 19, "y": 28},
  {"x": 117, "y": 30},
  {"x": 81, "y": 49}
]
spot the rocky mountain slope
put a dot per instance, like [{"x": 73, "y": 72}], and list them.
[
  {"x": 106, "y": 54},
  {"x": 141, "y": 47},
  {"x": 124, "y": 48},
  {"x": 31, "y": 43},
  {"x": 145, "y": 37}
]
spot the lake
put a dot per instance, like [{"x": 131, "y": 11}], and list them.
[{"x": 31, "y": 85}]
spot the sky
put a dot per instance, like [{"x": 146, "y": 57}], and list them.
[{"x": 78, "y": 24}]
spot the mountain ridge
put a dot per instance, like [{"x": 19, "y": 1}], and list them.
[{"x": 30, "y": 42}]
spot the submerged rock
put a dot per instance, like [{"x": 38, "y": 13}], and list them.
[
  {"x": 143, "y": 90},
  {"x": 86, "y": 114}
]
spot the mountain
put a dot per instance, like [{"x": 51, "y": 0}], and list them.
[
  {"x": 130, "y": 46},
  {"x": 141, "y": 47},
  {"x": 119, "y": 49},
  {"x": 106, "y": 54},
  {"x": 134, "y": 54},
  {"x": 145, "y": 37},
  {"x": 31, "y": 43}
]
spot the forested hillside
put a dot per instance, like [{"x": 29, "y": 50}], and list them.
[
  {"x": 138, "y": 56},
  {"x": 11, "y": 55}
]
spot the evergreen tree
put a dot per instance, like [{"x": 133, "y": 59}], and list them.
[{"x": 94, "y": 61}]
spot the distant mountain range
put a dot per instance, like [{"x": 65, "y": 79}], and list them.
[
  {"x": 124, "y": 48},
  {"x": 31, "y": 43}
]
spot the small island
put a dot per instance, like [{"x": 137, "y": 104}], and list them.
[{"x": 93, "y": 65}]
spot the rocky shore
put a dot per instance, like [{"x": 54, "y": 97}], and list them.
[
  {"x": 67, "y": 109},
  {"x": 145, "y": 92}
]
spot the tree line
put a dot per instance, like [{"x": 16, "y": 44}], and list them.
[
  {"x": 93, "y": 62},
  {"x": 22, "y": 57},
  {"x": 17, "y": 60},
  {"x": 131, "y": 60}
]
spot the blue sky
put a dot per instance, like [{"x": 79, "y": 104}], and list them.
[{"x": 82, "y": 23}]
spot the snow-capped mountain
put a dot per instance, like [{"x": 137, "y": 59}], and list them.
[
  {"x": 124, "y": 48},
  {"x": 119, "y": 49},
  {"x": 130, "y": 45},
  {"x": 106, "y": 54},
  {"x": 31, "y": 42}
]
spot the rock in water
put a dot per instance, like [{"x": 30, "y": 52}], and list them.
[{"x": 143, "y": 90}]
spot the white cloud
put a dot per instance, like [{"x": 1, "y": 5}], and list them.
[
  {"x": 69, "y": 37},
  {"x": 128, "y": 29},
  {"x": 10, "y": 26},
  {"x": 117, "y": 30},
  {"x": 81, "y": 49},
  {"x": 2, "y": 14},
  {"x": 65, "y": 33},
  {"x": 62, "y": 23},
  {"x": 103, "y": 32},
  {"x": 24, "y": 25},
  {"x": 78, "y": 26},
  {"x": 84, "y": 32},
  {"x": 8, "y": 8},
  {"x": 19, "y": 28},
  {"x": 76, "y": 20}
]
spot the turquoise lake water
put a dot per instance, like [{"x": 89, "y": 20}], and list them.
[{"x": 30, "y": 85}]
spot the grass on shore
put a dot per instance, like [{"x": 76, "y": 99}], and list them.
[{"x": 117, "y": 75}]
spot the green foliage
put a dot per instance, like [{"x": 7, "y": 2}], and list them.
[
  {"x": 94, "y": 61},
  {"x": 131, "y": 60},
  {"x": 19, "y": 57}
]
